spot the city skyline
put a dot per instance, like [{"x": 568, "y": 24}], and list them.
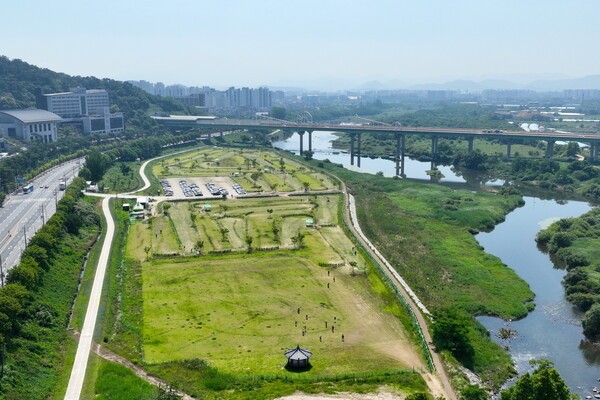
[{"x": 317, "y": 45}]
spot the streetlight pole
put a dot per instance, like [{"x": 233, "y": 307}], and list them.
[
  {"x": 25, "y": 236},
  {"x": 43, "y": 219},
  {"x": 1, "y": 271}
]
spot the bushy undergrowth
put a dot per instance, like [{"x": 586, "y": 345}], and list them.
[
  {"x": 574, "y": 244},
  {"x": 35, "y": 304}
]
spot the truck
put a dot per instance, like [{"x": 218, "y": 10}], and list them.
[{"x": 62, "y": 185}]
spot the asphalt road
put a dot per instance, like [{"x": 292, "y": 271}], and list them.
[{"x": 23, "y": 214}]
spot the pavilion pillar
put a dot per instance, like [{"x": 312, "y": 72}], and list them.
[
  {"x": 550, "y": 149},
  {"x": 352, "y": 138},
  {"x": 310, "y": 141},
  {"x": 301, "y": 135},
  {"x": 508, "y": 146},
  {"x": 358, "y": 150},
  {"x": 470, "y": 144}
]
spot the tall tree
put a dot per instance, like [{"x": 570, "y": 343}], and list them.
[
  {"x": 97, "y": 163},
  {"x": 543, "y": 383}
]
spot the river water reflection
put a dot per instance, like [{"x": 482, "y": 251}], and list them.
[{"x": 553, "y": 330}]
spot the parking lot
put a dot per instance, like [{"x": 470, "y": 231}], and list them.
[{"x": 205, "y": 187}]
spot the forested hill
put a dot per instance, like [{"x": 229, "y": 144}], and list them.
[{"x": 22, "y": 85}]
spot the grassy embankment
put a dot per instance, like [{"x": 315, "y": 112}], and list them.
[
  {"x": 39, "y": 352},
  {"x": 424, "y": 231},
  {"x": 223, "y": 301}
]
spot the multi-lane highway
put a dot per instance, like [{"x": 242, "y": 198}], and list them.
[{"x": 23, "y": 214}]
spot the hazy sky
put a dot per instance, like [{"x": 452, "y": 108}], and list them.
[{"x": 280, "y": 42}]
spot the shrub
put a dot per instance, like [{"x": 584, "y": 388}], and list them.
[{"x": 591, "y": 322}]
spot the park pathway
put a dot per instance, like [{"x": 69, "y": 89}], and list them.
[
  {"x": 89, "y": 325},
  {"x": 415, "y": 304}
]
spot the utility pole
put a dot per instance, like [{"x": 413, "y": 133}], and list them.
[{"x": 1, "y": 271}]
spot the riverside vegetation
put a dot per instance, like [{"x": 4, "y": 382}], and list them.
[
  {"x": 575, "y": 244},
  {"x": 488, "y": 161}
]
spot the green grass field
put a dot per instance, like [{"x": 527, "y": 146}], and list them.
[
  {"x": 241, "y": 314},
  {"x": 255, "y": 170},
  {"x": 239, "y": 311},
  {"x": 199, "y": 308}
]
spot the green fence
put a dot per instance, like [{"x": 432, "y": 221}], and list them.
[{"x": 392, "y": 287}]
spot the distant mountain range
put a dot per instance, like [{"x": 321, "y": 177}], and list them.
[{"x": 541, "y": 85}]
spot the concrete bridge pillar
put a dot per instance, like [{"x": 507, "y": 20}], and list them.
[
  {"x": 352, "y": 138},
  {"x": 221, "y": 134},
  {"x": 301, "y": 135},
  {"x": 508, "y": 146},
  {"x": 434, "y": 141},
  {"x": 209, "y": 135},
  {"x": 253, "y": 139},
  {"x": 358, "y": 150},
  {"x": 399, "y": 158},
  {"x": 594, "y": 151},
  {"x": 550, "y": 149},
  {"x": 470, "y": 144},
  {"x": 309, "y": 140}
]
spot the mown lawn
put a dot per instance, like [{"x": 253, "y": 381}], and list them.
[{"x": 240, "y": 316}]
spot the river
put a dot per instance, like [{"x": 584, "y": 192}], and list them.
[{"x": 553, "y": 330}]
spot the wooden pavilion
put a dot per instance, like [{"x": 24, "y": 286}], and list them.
[{"x": 298, "y": 357}]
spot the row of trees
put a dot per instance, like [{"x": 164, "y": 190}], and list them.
[{"x": 35, "y": 301}]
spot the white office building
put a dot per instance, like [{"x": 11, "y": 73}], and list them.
[
  {"x": 29, "y": 125},
  {"x": 78, "y": 102},
  {"x": 90, "y": 108}
]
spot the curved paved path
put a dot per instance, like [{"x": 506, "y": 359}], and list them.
[{"x": 89, "y": 325}]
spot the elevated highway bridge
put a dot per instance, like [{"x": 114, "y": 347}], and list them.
[{"x": 397, "y": 131}]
